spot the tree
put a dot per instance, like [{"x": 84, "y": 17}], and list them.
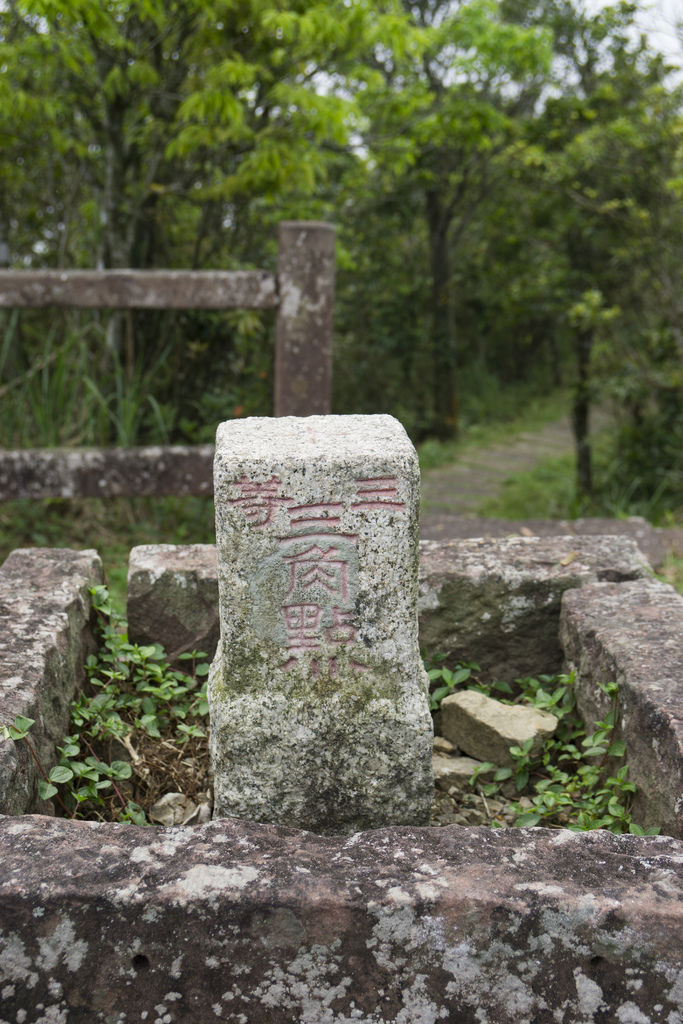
[
  {"x": 607, "y": 146},
  {"x": 147, "y": 127},
  {"x": 439, "y": 114}
]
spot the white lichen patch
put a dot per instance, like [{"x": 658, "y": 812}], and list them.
[
  {"x": 542, "y": 888},
  {"x": 142, "y": 854},
  {"x": 15, "y": 963},
  {"x": 62, "y": 946},
  {"x": 629, "y": 1013},
  {"x": 209, "y": 880},
  {"x": 589, "y": 995}
]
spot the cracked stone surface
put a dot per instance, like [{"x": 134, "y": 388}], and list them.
[
  {"x": 241, "y": 922},
  {"x": 631, "y": 634},
  {"x": 45, "y": 636}
]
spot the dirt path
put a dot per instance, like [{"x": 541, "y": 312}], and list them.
[
  {"x": 479, "y": 473},
  {"x": 451, "y": 494}
]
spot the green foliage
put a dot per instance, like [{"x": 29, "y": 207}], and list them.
[
  {"x": 505, "y": 177},
  {"x": 132, "y": 695},
  {"x": 620, "y": 484},
  {"x": 576, "y": 781},
  {"x": 449, "y": 681}
]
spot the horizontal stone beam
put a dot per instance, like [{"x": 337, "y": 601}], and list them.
[
  {"x": 138, "y": 289},
  {"x": 497, "y": 602},
  {"x": 150, "y": 472},
  {"x": 236, "y": 921}
]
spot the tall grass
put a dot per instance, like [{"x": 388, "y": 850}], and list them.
[{"x": 62, "y": 384}]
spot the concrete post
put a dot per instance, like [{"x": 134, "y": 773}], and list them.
[
  {"x": 303, "y": 335},
  {"x": 317, "y": 694}
]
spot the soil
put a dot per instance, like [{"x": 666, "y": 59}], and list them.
[{"x": 173, "y": 785}]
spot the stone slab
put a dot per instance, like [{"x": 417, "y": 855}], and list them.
[
  {"x": 317, "y": 695},
  {"x": 236, "y": 922},
  {"x": 633, "y": 634},
  {"x": 456, "y": 771},
  {"x": 655, "y": 542},
  {"x": 497, "y": 602},
  {"x": 173, "y": 597},
  {"x": 45, "y": 636},
  {"x": 485, "y": 728},
  {"x": 152, "y": 471}
]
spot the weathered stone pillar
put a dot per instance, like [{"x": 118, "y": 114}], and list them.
[
  {"x": 317, "y": 694},
  {"x": 303, "y": 333}
]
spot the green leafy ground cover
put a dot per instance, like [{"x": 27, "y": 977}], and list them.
[
  {"x": 578, "y": 780},
  {"x": 138, "y": 731}
]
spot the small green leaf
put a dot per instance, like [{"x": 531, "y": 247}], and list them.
[
  {"x": 528, "y": 819},
  {"x": 594, "y": 751},
  {"x": 61, "y": 774},
  {"x": 617, "y": 749},
  {"x": 46, "y": 790},
  {"x": 135, "y": 814},
  {"x": 460, "y": 675},
  {"x": 22, "y": 723}
]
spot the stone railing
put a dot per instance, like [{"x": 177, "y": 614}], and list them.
[
  {"x": 301, "y": 292},
  {"x": 235, "y": 920}
]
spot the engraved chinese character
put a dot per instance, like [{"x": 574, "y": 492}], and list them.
[
  {"x": 316, "y": 566},
  {"x": 342, "y": 631},
  {"x": 379, "y": 492},
  {"x": 322, "y": 516},
  {"x": 259, "y": 500},
  {"x": 302, "y": 622}
]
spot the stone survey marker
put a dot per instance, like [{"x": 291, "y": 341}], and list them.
[{"x": 317, "y": 694}]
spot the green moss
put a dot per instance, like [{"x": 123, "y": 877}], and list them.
[{"x": 353, "y": 687}]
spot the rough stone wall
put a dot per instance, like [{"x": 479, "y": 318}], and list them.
[
  {"x": 497, "y": 602},
  {"x": 239, "y": 922},
  {"x": 173, "y": 597},
  {"x": 474, "y": 594},
  {"x": 45, "y": 637},
  {"x": 632, "y": 634}
]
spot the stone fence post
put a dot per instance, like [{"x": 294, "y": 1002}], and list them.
[
  {"x": 303, "y": 335},
  {"x": 317, "y": 694}
]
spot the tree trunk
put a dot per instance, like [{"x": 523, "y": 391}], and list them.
[
  {"x": 581, "y": 415},
  {"x": 442, "y": 329}
]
